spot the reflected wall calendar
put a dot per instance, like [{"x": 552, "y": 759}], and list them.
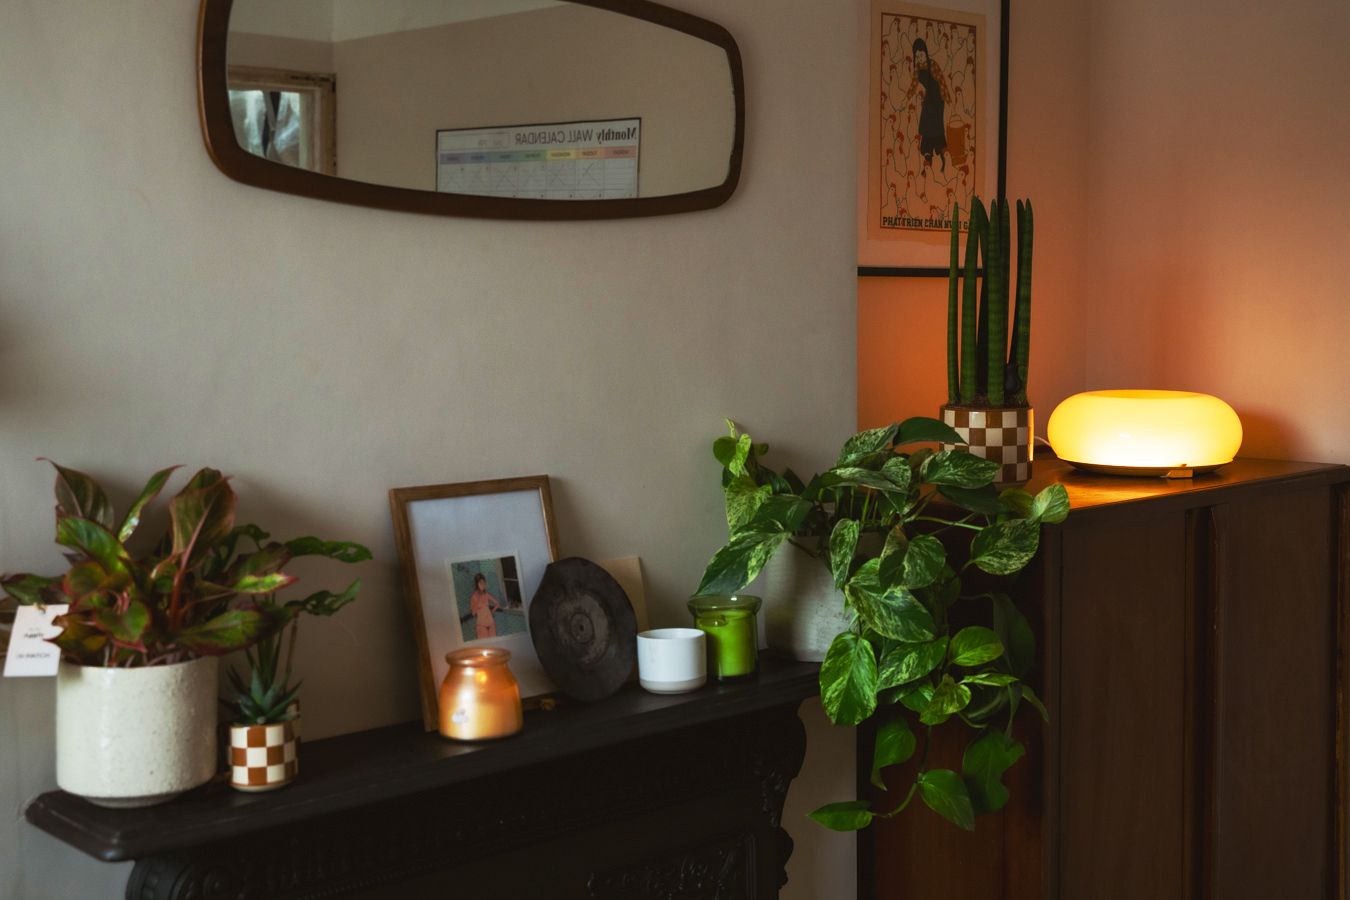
[{"x": 595, "y": 160}]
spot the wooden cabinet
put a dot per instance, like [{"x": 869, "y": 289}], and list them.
[{"x": 1193, "y": 637}]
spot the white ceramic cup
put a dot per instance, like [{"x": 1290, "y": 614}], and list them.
[{"x": 672, "y": 660}]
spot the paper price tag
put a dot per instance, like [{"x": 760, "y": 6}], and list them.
[{"x": 30, "y": 655}]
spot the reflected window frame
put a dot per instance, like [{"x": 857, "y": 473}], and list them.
[{"x": 318, "y": 88}]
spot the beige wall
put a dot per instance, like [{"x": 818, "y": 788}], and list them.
[
  {"x": 153, "y": 311},
  {"x": 1220, "y": 204},
  {"x": 266, "y": 51}
]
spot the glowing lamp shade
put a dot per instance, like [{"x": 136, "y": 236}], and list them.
[{"x": 1145, "y": 432}]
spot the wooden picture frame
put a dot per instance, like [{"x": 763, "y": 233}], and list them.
[
  {"x": 439, "y": 545},
  {"x": 925, "y": 254}
]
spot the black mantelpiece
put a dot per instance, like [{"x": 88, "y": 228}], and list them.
[{"x": 640, "y": 796}]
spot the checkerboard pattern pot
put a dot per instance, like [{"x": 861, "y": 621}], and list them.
[
  {"x": 264, "y": 757},
  {"x": 1001, "y": 435}
]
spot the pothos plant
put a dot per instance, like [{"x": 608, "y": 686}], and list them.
[
  {"x": 190, "y": 592},
  {"x": 267, "y": 695},
  {"x": 927, "y": 648}
]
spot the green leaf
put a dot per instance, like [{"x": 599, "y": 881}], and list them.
[
  {"x": 922, "y": 428},
  {"x": 201, "y": 516},
  {"x": 268, "y": 583},
  {"x": 850, "y": 815},
  {"x": 79, "y": 640},
  {"x": 127, "y": 627},
  {"x": 94, "y": 541},
  {"x": 1016, "y": 501},
  {"x": 780, "y": 512},
  {"x": 897, "y": 471},
  {"x": 864, "y": 444},
  {"x": 81, "y": 497},
  {"x": 737, "y": 564},
  {"x": 891, "y": 562},
  {"x": 1015, "y": 634},
  {"x": 148, "y": 494},
  {"x": 923, "y": 563},
  {"x": 958, "y": 468},
  {"x": 892, "y": 612},
  {"x": 848, "y": 680},
  {"x": 918, "y": 697},
  {"x": 1051, "y": 505},
  {"x": 843, "y": 544},
  {"x": 732, "y": 453},
  {"x": 325, "y": 603},
  {"x": 945, "y": 794},
  {"x": 1005, "y": 547},
  {"x": 31, "y": 589},
  {"x": 948, "y": 699},
  {"x": 227, "y": 632},
  {"x": 990, "y": 679},
  {"x": 341, "y": 551},
  {"x": 974, "y": 646},
  {"x": 904, "y": 662},
  {"x": 894, "y": 744},
  {"x": 853, "y": 476},
  {"x": 1030, "y": 696},
  {"x": 978, "y": 500},
  {"x": 743, "y": 499},
  {"x": 986, "y": 759}
]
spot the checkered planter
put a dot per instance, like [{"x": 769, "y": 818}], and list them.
[
  {"x": 1001, "y": 435},
  {"x": 264, "y": 757}
]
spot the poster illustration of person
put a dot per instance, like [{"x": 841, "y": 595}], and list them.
[{"x": 926, "y": 128}]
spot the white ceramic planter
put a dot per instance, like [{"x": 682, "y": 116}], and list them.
[
  {"x": 135, "y": 737},
  {"x": 802, "y": 610}
]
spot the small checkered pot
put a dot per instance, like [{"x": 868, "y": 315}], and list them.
[
  {"x": 1002, "y": 435},
  {"x": 264, "y": 757}
]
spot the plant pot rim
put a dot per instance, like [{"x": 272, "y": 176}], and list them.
[
  {"x": 986, "y": 406},
  {"x": 182, "y": 662}
]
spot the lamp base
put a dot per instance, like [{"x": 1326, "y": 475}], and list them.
[{"x": 1147, "y": 471}]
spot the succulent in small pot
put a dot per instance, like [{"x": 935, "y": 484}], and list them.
[
  {"x": 145, "y": 622},
  {"x": 264, "y": 752}
]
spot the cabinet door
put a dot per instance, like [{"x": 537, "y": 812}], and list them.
[
  {"x": 1121, "y": 707},
  {"x": 1269, "y": 815}
]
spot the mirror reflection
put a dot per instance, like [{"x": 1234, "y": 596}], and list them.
[{"x": 505, "y": 98}]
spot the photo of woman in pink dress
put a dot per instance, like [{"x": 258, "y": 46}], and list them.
[{"x": 482, "y": 604}]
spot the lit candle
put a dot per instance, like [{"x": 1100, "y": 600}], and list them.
[
  {"x": 480, "y": 698},
  {"x": 733, "y": 638}
]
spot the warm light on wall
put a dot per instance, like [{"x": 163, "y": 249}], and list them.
[{"x": 1145, "y": 432}]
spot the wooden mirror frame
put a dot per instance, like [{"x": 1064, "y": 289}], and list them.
[{"x": 218, "y": 131}]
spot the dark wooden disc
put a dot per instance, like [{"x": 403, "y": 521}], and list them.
[{"x": 583, "y": 628}]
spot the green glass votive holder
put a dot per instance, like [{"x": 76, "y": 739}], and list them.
[{"x": 732, "y": 635}]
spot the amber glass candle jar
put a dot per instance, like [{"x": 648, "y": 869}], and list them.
[{"x": 480, "y": 698}]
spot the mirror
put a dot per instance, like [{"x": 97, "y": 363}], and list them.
[{"x": 540, "y": 109}]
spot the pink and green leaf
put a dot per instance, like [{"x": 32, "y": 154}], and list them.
[
  {"x": 148, "y": 494},
  {"x": 80, "y": 496}
]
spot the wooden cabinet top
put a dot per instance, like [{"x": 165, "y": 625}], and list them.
[{"x": 1089, "y": 492}]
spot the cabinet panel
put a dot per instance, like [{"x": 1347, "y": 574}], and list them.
[
  {"x": 1121, "y": 710},
  {"x": 1273, "y": 782}
]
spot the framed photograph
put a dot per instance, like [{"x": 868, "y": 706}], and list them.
[
  {"x": 472, "y": 556},
  {"x": 936, "y": 127}
]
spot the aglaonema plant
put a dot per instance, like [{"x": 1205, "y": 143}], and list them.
[
  {"x": 928, "y": 647},
  {"x": 192, "y": 593}
]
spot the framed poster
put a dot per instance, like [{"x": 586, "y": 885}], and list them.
[
  {"x": 936, "y": 128},
  {"x": 472, "y": 556}
]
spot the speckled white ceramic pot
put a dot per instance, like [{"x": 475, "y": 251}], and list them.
[
  {"x": 135, "y": 737},
  {"x": 802, "y": 609}
]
